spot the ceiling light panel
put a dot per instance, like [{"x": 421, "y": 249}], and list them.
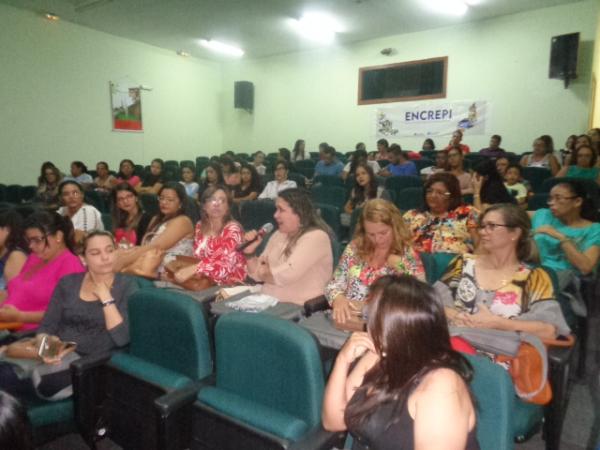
[{"x": 315, "y": 26}]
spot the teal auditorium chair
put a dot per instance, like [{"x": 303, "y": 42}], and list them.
[
  {"x": 494, "y": 397},
  {"x": 428, "y": 154},
  {"x": 329, "y": 195},
  {"x": 328, "y": 180},
  {"x": 28, "y": 193},
  {"x": 13, "y": 193},
  {"x": 423, "y": 163},
  {"x": 254, "y": 214},
  {"x": 536, "y": 176},
  {"x": 331, "y": 215},
  {"x": 268, "y": 392},
  {"x": 409, "y": 198},
  {"x": 537, "y": 201},
  {"x": 398, "y": 183},
  {"x": 150, "y": 203},
  {"x": 142, "y": 397},
  {"x": 96, "y": 200},
  {"x": 299, "y": 178},
  {"x": 591, "y": 187}
]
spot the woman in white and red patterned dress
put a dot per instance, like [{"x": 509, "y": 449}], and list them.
[{"x": 215, "y": 241}]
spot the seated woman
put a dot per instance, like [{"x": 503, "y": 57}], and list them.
[
  {"x": 250, "y": 185},
  {"x": 213, "y": 176},
  {"x": 188, "y": 181},
  {"x": 170, "y": 231},
  {"x": 12, "y": 248},
  {"x": 216, "y": 241},
  {"x": 444, "y": 224},
  {"x": 280, "y": 183},
  {"x": 50, "y": 238},
  {"x": 79, "y": 174},
  {"x": 88, "y": 308},
  {"x": 583, "y": 164},
  {"x": 48, "y": 182},
  {"x": 366, "y": 189},
  {"x": 130, "y": 221},
  {"x": 359, "y": 157},
  {"x": 381, "y": 246},
  {"x": 85, "y": 217},
  {"x": 126, "y": 174},
  {"x": 568, "y": 233},
  {"x": 456, "y": 168},
  {"x": 498, "y": 289},
  {"x": 297, "y": 262},
  {"x": 153, "y": 181},
  {"x": 258, "y": 160},
  {"x": 488, "y": 187},
  {"x": 400, "y": 385},
  {"x": 231, "y": 173},
  {"x": 541, "y": 156},
  {"x": 104, "y": 181}
]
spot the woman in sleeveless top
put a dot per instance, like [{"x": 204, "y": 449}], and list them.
[
  {"x": 407, "y": 388},
  {"x": 541, "y": 157}
]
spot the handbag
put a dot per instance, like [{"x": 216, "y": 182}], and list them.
[
  {"x": 39, "y": 347},
  {"x": 195, "y": 283},
  {"x": 146, "y": 265}
]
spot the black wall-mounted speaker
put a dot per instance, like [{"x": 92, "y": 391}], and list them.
[
  {"x": 243, "y": 97},
  {"x": 563, "y": 57}
]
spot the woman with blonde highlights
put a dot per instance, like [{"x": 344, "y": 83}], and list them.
[{"x": 381, "y": 246}]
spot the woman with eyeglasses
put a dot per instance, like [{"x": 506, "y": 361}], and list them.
[
  {"x": 216, "y": 239},
  {"x": 500, "y": 288},
  {"x": 130, "y": 221},
  {"x": 170, "y": 231},
  {"x": 444, "y": 224},
  {"x": 85, "y": 217},
  {"x": 568, "y": 233},
  {"x": 583, "y": 164},
  {"x": 50, "y": 238},
  {"x": 280, "y": 183}
]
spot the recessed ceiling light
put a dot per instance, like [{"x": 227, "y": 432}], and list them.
[
  {"x": 316, "y": 26},
  {"x": 220, "y": 47},
  {"x": 51, "y": 16}
]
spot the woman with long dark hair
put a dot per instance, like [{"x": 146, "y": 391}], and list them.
[
  {"x": 298, "y": 152},
  {"x": 153, "y": 181},
  {"x": 48, "y": 182},
  {"x": 249, "y": 186},
  {"x": 126, "y": 173},
  {"x": 297, "y": 262},
  {"x": 12, "y": 247},
  {"x": 130, "y": 221},
  {"x": 408, "y": 388},
  {"x": 488, "y": 187},
  {"x": 366, "y": 188}
]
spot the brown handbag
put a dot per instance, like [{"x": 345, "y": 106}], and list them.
[
  {"x": 146, "y": 265},
  {"x": 195, "y": 283}
]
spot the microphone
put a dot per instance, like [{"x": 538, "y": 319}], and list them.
[{"x": 265, "y": 229}]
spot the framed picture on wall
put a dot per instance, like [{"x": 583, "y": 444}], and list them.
[{"x": 126, "y": 107}]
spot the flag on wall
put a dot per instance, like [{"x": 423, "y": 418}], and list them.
[{"x": 425, "y": 119}]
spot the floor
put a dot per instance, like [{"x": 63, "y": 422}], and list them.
[{"x": 581, "y": 430}]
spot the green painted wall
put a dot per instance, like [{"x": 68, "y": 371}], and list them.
[
  {"x": 55, "y": 102},
  {"x": 313, "y": 95}
]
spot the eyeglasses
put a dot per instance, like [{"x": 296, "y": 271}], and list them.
[
  {"x": 125, "y": 197},
  {"x": 559, "y": 198},
  {"x": 71, "y": 194},
  {"x": 217, "y": 201},
  {"x": 167, "y": 200},
  {"x": 36, "y": 240},
  {"x": 438, "y": 193},
  {"x": 490, "y": 226}
]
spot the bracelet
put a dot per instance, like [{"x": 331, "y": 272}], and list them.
[
  {"x": 108, "y": 302},
  {"x": 562, "y": 241}
]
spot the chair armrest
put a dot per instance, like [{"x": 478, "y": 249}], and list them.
[
  {"x": 559, "y": 356},
  {"x": 88, "y": 362},
  {"x": 313, "y": 305},
  {"x": 320, "y": 439},
  {"x": 174, "y": 400}
]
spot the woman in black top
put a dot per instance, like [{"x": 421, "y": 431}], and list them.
[
  {"x": 153, "y": 180},
  {"x": 249, "y": 186},
  {"x": 129, "y": 220},
  {"x": 488, "y": 187},
  {"x": 408, "y": 388}
]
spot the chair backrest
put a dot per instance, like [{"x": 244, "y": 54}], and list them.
[
  {"x": 329, "y": 195},
  {"x": 331, "y": 215},
  {"x": 423, "y": 162},
  {"x": 401, "y": 182},
  {"x": 254, "y": 214},
  {"x": 150, "y": 203},
  {"x": 28, "y": 193},
  {"x": 270, "y": 361},
  {"x": 536, "y": 176},
  {"x": 435, "y": 264},
  {"x": 298, "y": 178},
  {"x": 169, "y": 329},
  {"x": 538, "y": 201},
  {"x": 591, "y": 187},
  {"x": 13, "y": 193},
  {"x": 428, "y": 153},
  {"x": 409, "y": 198},
  {"x": 329, "y": 180},
  {"x": 494, "y": 396}
]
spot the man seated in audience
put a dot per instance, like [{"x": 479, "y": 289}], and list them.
[
  {"x": 493, "y": 151},
  {"x": 259, "y": 162},
  {"x": 513, "y": 182},
  {"x": 383, "y": 150},
  {"x": 329, "y": 165},
  {"x": 456, "y": 140},
  {"x": 400, "y": 165},
  {"x": 322, "y": 147},
  {"x": 441, "y": 161}
]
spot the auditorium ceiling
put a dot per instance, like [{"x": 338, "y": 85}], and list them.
[{"x": 261, "y": 27}]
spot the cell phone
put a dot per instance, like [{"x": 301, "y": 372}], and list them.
[{"x": 51, "y": 346}]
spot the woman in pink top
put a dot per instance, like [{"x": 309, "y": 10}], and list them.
[
  {"x": 297, "y": 262},
  {"x": 125, "y": 175},
  {"x": 50, "y": 237}
]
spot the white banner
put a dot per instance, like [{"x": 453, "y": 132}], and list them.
[{"x": 419, "y": 119}]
